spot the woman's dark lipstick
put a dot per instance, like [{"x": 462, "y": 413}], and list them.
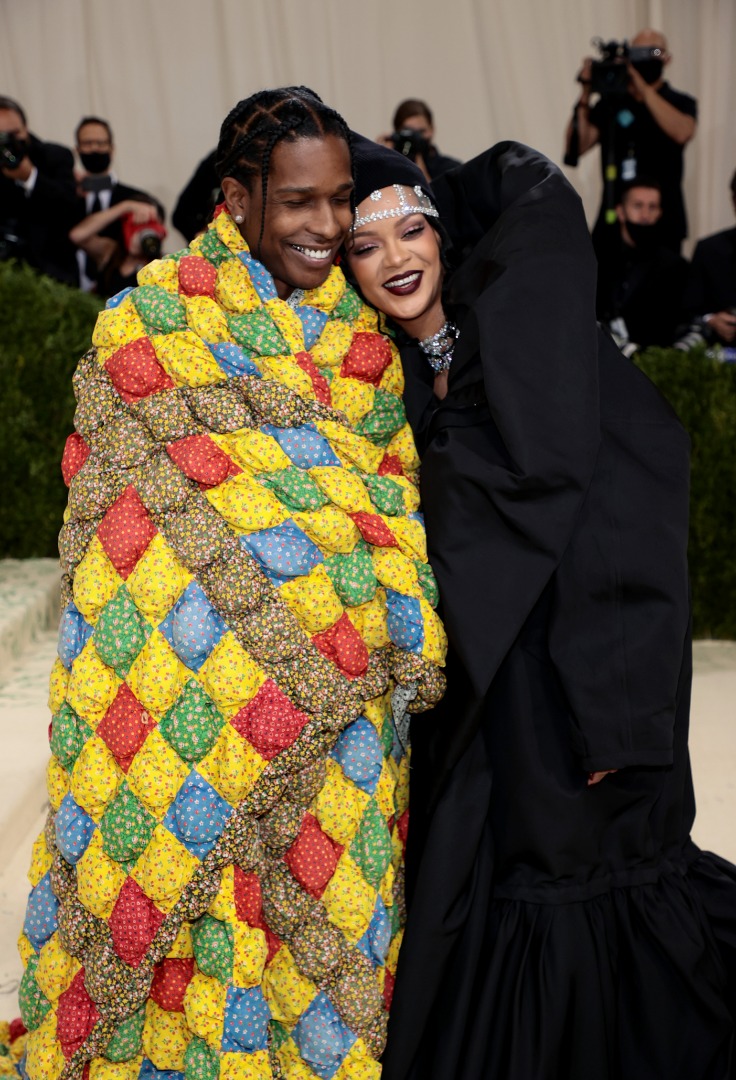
[{"x": 404, "y": 284}]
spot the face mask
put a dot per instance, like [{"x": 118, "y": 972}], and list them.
[
  {"x": 646, "y": 238},
  {"x": 650, "y": 70},
  {"x": 96, "y": 162}
]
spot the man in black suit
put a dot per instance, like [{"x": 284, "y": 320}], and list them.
[
  {"x": 106, "y": 202},
  {"x": 38, "y": 199},
  {"x": 711, "y": 292}
]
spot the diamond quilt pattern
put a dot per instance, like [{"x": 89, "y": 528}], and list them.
[{"x": 246, "y": 585}]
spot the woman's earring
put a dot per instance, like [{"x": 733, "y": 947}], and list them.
[{"x": 239, "y": 219}]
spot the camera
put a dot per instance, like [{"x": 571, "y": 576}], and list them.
[
  {"x": 12, "y": 150},
  {"x": 93, "y": 182},
  {"x": 146, "y": 235},
  {"x": 410, "y": 143},
  {"x": 610, "y": 76}
]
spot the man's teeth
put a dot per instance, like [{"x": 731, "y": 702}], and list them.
[
  {"x": 401, "y": 282},
  {"x": 313, "y": 253}
]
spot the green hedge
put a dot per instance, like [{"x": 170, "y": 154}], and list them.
[
  {"x": 702, "y": 392},
  {"x": 45, "y": 328}
]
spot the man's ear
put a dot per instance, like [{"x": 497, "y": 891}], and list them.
[
  {"x": 620, "y": 213},
  {"x": 237, "y": 197}
]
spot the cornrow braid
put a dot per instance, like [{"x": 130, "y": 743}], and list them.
[{"x": 255, "y": 125}]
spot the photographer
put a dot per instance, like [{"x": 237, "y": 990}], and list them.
[
  {"x": 412, "y": 136},
  {"x": 38, "y": 200},
  {"x": 118, "y": 260},
  {"x": 102, "y": 190},
  {"x": 643, "y": 126}
]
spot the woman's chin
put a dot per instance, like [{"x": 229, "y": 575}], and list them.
[{"x": 404, "y": 309}]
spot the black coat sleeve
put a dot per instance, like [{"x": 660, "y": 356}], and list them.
[
  {"x": 502, "y": 498},
  {"x": 619, "y": 627}
]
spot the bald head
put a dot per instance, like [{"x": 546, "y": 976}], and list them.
[{"x": 650, "y": 39}]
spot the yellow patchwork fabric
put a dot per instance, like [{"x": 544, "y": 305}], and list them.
[
  {"x": 286, "y": 990},
  {"x": 232, "y": 766},
  {"x": 95, "y": 582},
  {"x": 164, "y": 869},
  {"x": 253, "y": 450},
  {"x": 99, "y": 879},
  {"x": 230, "y": 676},
  {"x": 157, "y": 675},
  {"x": 95, "y": 778},
  {"x": 165, "y": 1037},
  {"x": 313, "y": 600},
  {"x": 55, "y": 970},
  {"x": 156, "y": 774},
  {"x": 204, "y": 1008},
  {"x": 186, "y": 359},
  {"x": 246, "y": 505},
  {"x": 157, "y": 581},
  {"x": 92, "y": 686},
  {"x": 329, "y": 528}
]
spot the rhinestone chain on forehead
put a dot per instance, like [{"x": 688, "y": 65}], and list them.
[{"x": 423, "y": 206}]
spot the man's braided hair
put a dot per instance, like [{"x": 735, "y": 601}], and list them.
[{"x": 251, "y": 130}]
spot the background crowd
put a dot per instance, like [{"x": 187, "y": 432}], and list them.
[{"x": 72, "y": 217}]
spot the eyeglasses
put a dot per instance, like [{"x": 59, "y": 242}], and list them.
[{"x": 94, "y": 144}]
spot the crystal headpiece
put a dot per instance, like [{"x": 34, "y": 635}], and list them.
[{"x": 405, "y": 207}]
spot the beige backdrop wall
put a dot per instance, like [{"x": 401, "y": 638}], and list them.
[{"x": 165, "y": 72}]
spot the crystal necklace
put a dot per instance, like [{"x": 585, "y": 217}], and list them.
[
  {"x": 296, "y": 298},
  {"x": 438, "y": 348}
]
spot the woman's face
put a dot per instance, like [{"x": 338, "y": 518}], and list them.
[
  {"x": 307, "y": 210},
  {"x": 396, "y": 262}
]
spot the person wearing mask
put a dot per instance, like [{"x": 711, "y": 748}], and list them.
[
  {"x": 104, "y": 236},
  {"x": 38, "y": 198},
  {"x": 640, "y": 281},
  {"x": 642, "y": 131}
]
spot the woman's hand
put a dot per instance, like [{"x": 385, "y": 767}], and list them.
[{"x": 596, "y": 777}]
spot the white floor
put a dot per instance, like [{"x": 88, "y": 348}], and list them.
[{"x": 27, "y": 650}]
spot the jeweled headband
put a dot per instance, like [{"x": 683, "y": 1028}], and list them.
[{"x": 404, "y": 209}]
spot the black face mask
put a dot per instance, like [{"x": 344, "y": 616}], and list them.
[
  {"x": 650, "y": 70},
  {"x": 96, "y": 162},
  {"x": 646, "y": 238}
]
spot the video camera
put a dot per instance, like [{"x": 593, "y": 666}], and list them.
[
  {"x": 410, "y": 143},
  {"x": 12, "y": 150},
  {"x": 610, "y": 76}
]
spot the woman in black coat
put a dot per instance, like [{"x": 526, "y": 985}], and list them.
[{"x": 562, "y": 924}]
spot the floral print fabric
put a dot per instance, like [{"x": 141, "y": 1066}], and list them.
[{"x": 218, "y": 892}]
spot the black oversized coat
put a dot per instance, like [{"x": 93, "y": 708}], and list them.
[{"x": 555, "y": 929}]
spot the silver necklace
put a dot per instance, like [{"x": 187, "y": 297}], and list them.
[
  {"x": 438, "y": 348},
  {"x": 295, "y": 299}
]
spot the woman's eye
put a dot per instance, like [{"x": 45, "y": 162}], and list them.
[
  {"x": 415, "y": 230},
  {"x": 363, "y": 249}
]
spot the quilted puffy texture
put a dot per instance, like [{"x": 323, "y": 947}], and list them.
[{"x": 218, "y": 889}]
